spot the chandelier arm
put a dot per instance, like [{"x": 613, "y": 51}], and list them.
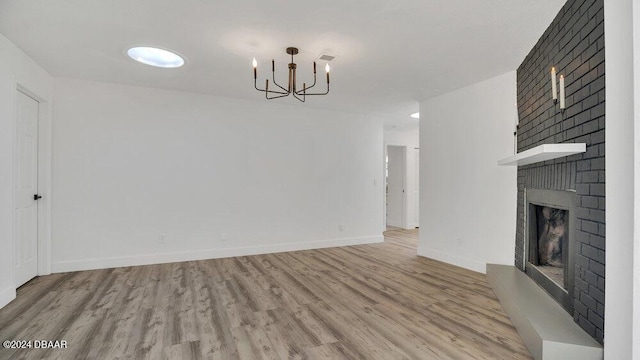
[
  {"x": 296, "y": 96},
  {"x": 274, "y": 81},
  {"x": 308, "y": 87},
  {"x": 266, "y": 95},
  {"x": 303, "y": 90},
  {"x": 255, "y": 85},
  {"x": 273, "y": 75},
  {"x": 276, "y": 92},
  {"x": 324, "y": 93}
]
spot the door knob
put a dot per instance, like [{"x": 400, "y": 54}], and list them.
[{"x": 36, "y": 197}]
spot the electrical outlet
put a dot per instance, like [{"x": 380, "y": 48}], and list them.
[
  {"x": 223, "y": 237},
  {"x": 340, "y": 227},
  {"x": 162, "y": 239},
  {"x": 459, "y": 241}
]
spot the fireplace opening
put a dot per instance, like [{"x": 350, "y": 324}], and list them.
[
  {"x": 549, "y": 258},
  {"x": 549, "y": 255}
]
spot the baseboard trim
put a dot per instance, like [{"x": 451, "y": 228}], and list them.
[
  {"x": 453, "y": 259},
  {"x": 6, "y": 296},
  {"x": 114, "y": 262}
]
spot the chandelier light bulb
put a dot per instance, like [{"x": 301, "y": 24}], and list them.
[
  {"x": 327, "y": 68},
  {"x": 255, "y": 69}
]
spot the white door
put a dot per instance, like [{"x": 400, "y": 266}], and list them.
[
  {"x": 25, "y": 228},
  {"x": 416, "y": 189},
  {"x": 395, "y": 186}
]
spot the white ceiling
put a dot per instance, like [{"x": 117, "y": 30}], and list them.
[{"x": 390, "y": 54}]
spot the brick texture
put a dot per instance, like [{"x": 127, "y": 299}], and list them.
[{"x": 574, "y": 44}]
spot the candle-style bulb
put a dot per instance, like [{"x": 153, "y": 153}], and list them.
[
  {"x": 562, "y": 99},
  {"x": 327, "y": 69},
  {"x": 255, "y": 69},
  {"x": 554, "y": 91}
]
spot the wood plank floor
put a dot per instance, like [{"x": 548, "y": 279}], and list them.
[{"x": 361, "y": 302}]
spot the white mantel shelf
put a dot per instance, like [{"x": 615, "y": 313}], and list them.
[{"x": 543, "y": 152}]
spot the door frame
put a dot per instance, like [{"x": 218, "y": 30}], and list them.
[
  {"x": 403, "y": 220},
  {"x": 44, "y": 177}
]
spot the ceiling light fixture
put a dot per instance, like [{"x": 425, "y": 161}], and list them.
[
  {"x": 415, "y": 115},
  {"x": 155, "y": 57},
  {"x": 291, "y": 88}
]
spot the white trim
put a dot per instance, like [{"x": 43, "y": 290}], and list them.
[
  {"x": 45, "y": 127},
  {"x": 453, "y": 259},
  {"x": 6, "y": 296},
  {"x": 91, "y": 264},
  {"x": 383, "y": 186},
  {"x": 14, "y": 114},
  {"x": 622, "y": 320}
]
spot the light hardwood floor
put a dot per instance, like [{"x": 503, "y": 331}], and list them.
[{"x": 361, "y": 302}]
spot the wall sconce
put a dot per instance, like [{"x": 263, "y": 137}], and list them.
[{"x": 554, "y": 89}]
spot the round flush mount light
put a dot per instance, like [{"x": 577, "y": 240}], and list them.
[
  {"x": 415, "y": 115},
  {"x": 155, "y": 57}
]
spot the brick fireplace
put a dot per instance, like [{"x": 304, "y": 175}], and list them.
[{"x": 574, "y": 44}]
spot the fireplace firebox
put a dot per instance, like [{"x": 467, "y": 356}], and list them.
[{"x": 550, "y": 218}]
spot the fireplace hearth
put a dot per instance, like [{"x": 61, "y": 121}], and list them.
[{"x": 549, "y": 249}]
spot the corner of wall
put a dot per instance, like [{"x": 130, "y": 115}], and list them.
[
  {"x": 6, "y": 296},
  {"x": 449, "y": 258},
  {"x": 467, "y": 202}
]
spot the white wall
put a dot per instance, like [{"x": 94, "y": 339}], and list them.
[
  {"x": 411, "y": 139},
  {"x": 622, "y": 296},
  {"x": 467, "y": 201},
  {"x": 216, "y": 176},
  {"x": 16, "y": 69}
]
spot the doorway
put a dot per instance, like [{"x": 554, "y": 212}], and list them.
[
  {"x": 25, "y": 192},
  {"x": 396, "y": 186}
]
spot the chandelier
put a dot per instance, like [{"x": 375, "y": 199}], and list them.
[{"x": 292, "y": 88}]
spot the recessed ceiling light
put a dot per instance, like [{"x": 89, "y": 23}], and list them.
[
  {"x": 155, "y": 57},
  {"x": 415, "y": 115}
]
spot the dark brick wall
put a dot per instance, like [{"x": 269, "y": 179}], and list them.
[{"x": 574, "y": 44}]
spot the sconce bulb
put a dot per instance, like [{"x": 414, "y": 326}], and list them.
[
  {"x": 255, "y": 63},
  {"x": 327, "y": 68}
]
